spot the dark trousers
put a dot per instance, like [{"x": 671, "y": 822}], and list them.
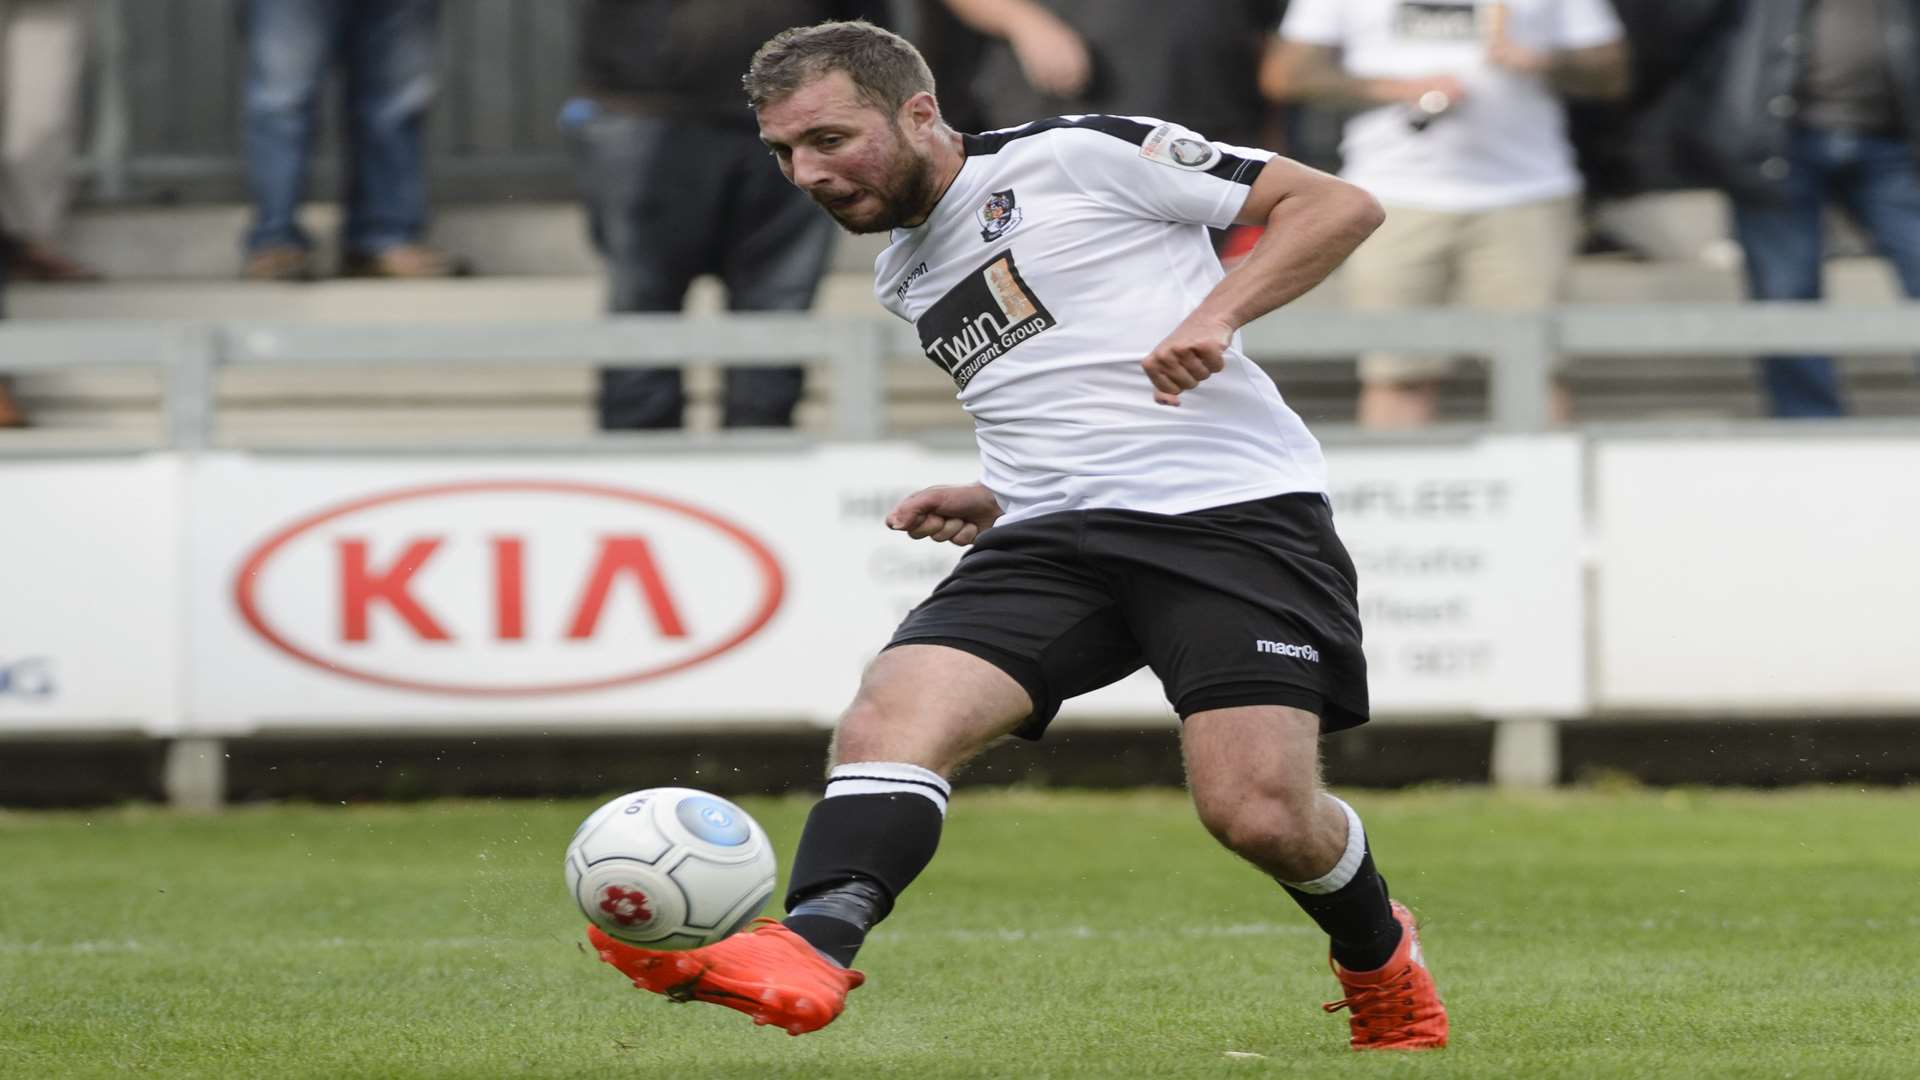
[
  {"x": 669, "y": 200},
  {"x": 1875, "y": 180}
]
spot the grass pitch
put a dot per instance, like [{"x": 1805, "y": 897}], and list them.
[{"x": 1584, "y": 934}]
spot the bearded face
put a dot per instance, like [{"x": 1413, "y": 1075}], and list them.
[
  {"x": 896, "y": 188},
  {"x": 857, "y": 161}
]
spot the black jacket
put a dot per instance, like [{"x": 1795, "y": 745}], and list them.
[
  {"x": 684, "y": 58},
  {"x": 1745, "y": 121}
]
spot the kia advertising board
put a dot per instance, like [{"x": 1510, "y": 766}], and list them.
[
  {"x": 752, "y": 588},
  {"x": 90, "y": 626},
  {"x": 596, "y": 592}
]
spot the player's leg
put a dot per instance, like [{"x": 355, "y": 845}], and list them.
[
  {"x": 1254, "y": 774},
  {"x": 921, "y": 712},
  {"x": 1018, "y": 626},
  {"x": 1248, "y": 614}
]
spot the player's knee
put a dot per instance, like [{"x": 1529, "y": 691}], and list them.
[
  {"x": 1270, "y": 832},
  {"x": 867, "y": 732}
]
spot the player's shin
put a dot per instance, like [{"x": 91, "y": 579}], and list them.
[
  {"x": 864, "y": 843},
  {"x": 1350, "y": 903}
]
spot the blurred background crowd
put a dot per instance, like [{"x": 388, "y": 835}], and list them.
[{"x": 1496, "y": 133}]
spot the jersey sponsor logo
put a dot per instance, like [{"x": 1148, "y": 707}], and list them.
[
  {"x": 999, "y": 215},
  {"x": 978, "y": 321},
  {"x": 1281, "y": 648},
  {"x": 1436, "y": 20},
  {"x": 913, "y": 275},
  {"x": 1170, "y": 144}
]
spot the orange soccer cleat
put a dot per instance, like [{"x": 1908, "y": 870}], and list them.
[
  {"x": 1397, "y": 1006},
  {"x": 770, "y": 973}
]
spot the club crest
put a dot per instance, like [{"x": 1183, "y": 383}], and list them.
[{"x": 998, "y": 216}]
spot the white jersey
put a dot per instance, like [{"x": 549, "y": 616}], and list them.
[
  {"x": 1063, "y": 252},
  {"x": 1506, "y": 144}
]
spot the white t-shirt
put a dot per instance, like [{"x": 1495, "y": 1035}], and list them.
[
  {"x": 1063, "y": 252},
  {"x": 1504, "y": 145}
]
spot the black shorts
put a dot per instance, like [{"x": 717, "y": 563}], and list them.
[{"x": 1247, "y": 604}]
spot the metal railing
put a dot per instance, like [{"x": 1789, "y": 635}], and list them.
[{"x": 1520, "y": 347}]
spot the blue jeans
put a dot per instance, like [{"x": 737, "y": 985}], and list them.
[
  {"x": 1874, "y": 178},
  {"x": 668, "y": 200},
  {"x": 385, "y": 52}
]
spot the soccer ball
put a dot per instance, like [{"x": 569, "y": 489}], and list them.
[{"x": 670, "y": 868}]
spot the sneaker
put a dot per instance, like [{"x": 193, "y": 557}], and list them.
[
  {"x": 1395, "y": 1007},
  {"x": 11, "y": 414},
  {"x": 278, "y": 262},
  {"x": 770, "y": 973},
  {"x": 405, "y": 261},
  {"x": 34, "y": 261}
]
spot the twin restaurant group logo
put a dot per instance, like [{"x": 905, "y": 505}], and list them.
[{"x": 508, "y": 588}]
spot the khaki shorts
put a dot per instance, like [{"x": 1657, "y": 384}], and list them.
[{"x": 1513, "y": 258}]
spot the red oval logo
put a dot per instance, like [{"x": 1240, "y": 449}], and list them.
[{"x": 508, "y": 588}]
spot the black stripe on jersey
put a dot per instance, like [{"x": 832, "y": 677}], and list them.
[{"x": 1231, "y": 167}]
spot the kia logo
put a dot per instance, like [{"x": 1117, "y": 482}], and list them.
[{"x": 508, "y": 588}]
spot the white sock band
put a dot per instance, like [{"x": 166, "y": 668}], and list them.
[
  {"x": 886, "y": 777},
  {"x": 1336, "y": 879}
]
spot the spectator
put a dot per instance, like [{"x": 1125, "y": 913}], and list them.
[
  {"x": 1812, "y": 102},
  {"x": 1632, "y": 147},
  {"x": 1461, "y": 135},
  {"x": 676, "y": 184},
  {"x": 384, "y": 49},
  {"x": 1193, "y": 63},
  {"x": 43, "y": 46}
]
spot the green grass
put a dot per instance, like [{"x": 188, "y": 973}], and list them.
[{"x": 1584, "y": 934}]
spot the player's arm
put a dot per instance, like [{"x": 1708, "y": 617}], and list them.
[
  {"x": 1313, "y": 222},
  {"x": 950, "y": 513},
  {"x": 1305, "y": 71}
]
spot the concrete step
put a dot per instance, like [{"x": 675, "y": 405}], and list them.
[
  {"x": 578, "y": 296},
  {"x": 514, "y": 238}
]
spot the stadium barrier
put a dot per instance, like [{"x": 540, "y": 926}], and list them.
[{"x": 195, "y": 592}]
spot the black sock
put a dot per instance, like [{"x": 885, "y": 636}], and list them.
[
  {"x": 1355, "y": 916},
  {"x": 858, "y": 852}
]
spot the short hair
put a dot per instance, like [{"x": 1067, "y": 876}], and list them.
[{"x": 885, "y": 68}]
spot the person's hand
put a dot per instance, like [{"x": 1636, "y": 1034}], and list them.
[
  {"x": 1053, "y": 57},
  {"x": 1196, "y": 349},
  {"x": 1503, "y": 53},
  {"x": 1412, "y": 90},
  {"x": 947, "y": 513}
]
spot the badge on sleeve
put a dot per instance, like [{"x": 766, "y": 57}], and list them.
[{"x": 1170, "y": 144}]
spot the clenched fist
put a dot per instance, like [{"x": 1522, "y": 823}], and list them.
[
  {"x": 1195, "y": 350},
  {"x": 949, "y": 513}
]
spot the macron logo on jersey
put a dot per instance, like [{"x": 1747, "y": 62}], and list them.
[
  {"x": 1281, "y": 648},
  {"x": 981, "y": 319}
]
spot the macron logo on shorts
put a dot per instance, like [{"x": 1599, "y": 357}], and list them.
[{"x": 1281, "y": 648}]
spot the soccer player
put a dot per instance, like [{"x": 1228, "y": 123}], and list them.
[{"x": 1145, "y": 497}]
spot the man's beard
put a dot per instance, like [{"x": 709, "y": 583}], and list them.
[{"x": 906, "y": 195}]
